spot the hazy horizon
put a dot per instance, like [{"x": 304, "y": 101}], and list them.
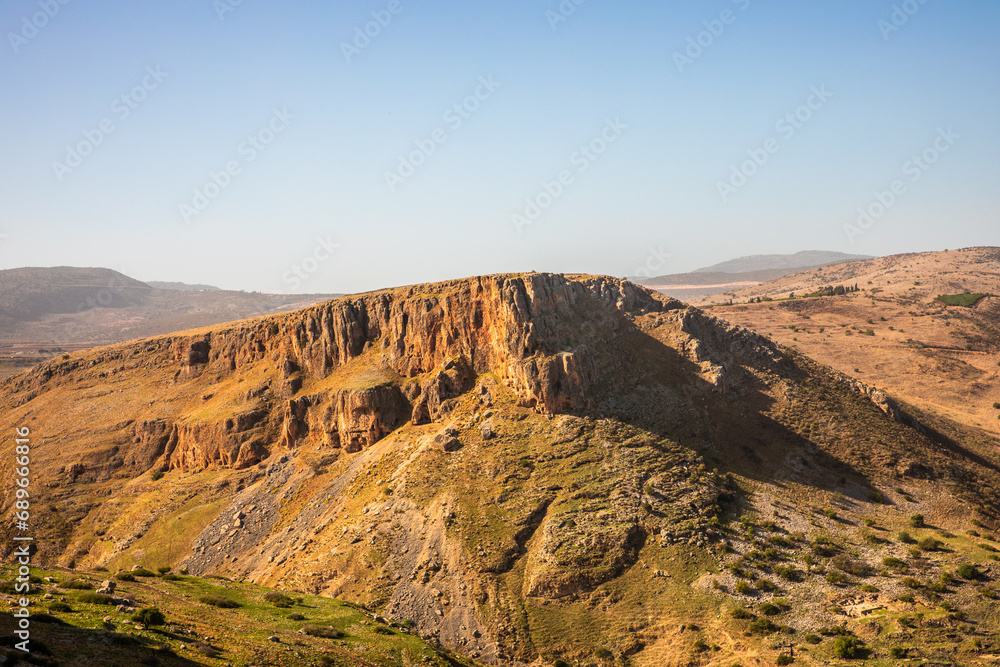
[{"x": 309, "y": 148}]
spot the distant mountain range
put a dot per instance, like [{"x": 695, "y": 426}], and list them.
[
  {"x": 79, "y": 307},
  {"x": 743, "y": 272},
  {"x": 181, "y": 287}
]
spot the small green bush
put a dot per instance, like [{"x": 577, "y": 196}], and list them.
[
  {"x": 784, "y": 659},
  {"x": 910, "y": 582},
  {"x": 296, "y": 617},
  {"x": 906, "y": 538},
  {"x": 325, "y": 631},
  {"x": 743, "y": 613},
  {"x": 163, "y": 569},
  {"x": 124, "y": 576},
  {"x": 835, "y": 578},
  {"x": 877, "y": 497},
  {"x": 156, "y": 475},
  {"x": 894, "y": 564},
  {"x": 95, "y": 598},
  {"x": 142, "y": 572},
  {"x": 766, "y": 586},
  {"x": 148, "y": 617},
  {"x": 917, "y": 521},
  {"x": 848, "y": 647},
  {"x": 929, "y": 544},
  {"x": 968, "y": 571},
  {"x": 763, "y": 626},
  {"x": 743, "y": 587},
  {"x": 279, "y": 599},
  {"x": 769, "y": 609},
  {"x": 77, "y": 584},
  {"x": 219, "y": 601},
  {"x": 812, "y": 639},
  {"x": 897, "y": 652},
  {"x": 60, "y": 607}
]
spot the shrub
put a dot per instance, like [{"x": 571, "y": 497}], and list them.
[
  {"x": 296, "y": 617},
  {"x": 897, "y": 652},
  {"x": 846, "y": 564},
  {"x": 124, "y": 576},
  {"x": 699, "y": 646},
  {"x": 219, "y": 601},
  {"x": 382, "y": 630},
  {"x": 206, "y": 650},
  {"x": 163, "y": 569},
  {"x": 325, "y": 631},
  {"x": 894, "y": 564},
  {"x": 743, "y": 587},
  {"x": 929, "y": 544},
  {"x": 149, "y": 616},
  {"x": 743, "y": 613},
  {"x": 279, "y": 599},
  {"x": 769, "y": 609},
  {"x": 95, "y": 598},
  {"x": 907, "y": 598},
  {"x": 812, "y": 639},
  {"x": 171, "y": 577},
  {"x": 763, "y": 626},
  {"x": 142, "y": 572},
  {"x": 766, "y": 586},
  {"x": 906, "y": 538},
  {"x": 848, "y": 647},
  {"x": 917, "y": 521},
  {"x": 77, "y": 584},
  {"x": 868, "y": 588},
  {"x": 835, "y": 578},
  {"x": 968, "y": 571},
  {"x": 156, "y": 475},
  {"x": 784, "y": 659},
  {"x": 787, "y": 572},
  {"x": 910, "y": 582},
  {"x": 184, "y": 571},
  {"x": 61, "y": 607}
]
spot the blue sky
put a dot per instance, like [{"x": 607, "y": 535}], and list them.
[{"x": 653, "y": 136}]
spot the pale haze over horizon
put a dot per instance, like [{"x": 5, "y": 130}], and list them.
[{"x": 308, "y": 147}]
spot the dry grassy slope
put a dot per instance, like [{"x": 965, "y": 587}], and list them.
[
  {"x": 943, "y": 359},
  {"x": 522, "y": 465}
]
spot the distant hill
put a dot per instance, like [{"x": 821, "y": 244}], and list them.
[
  {"x": 74, "y": 307},
  {"x": 181, "y": 287},
  {"x": 743, "y": 272},
  {"x": 804, "y": 259},
  {"x": 893, "y": 332}
]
